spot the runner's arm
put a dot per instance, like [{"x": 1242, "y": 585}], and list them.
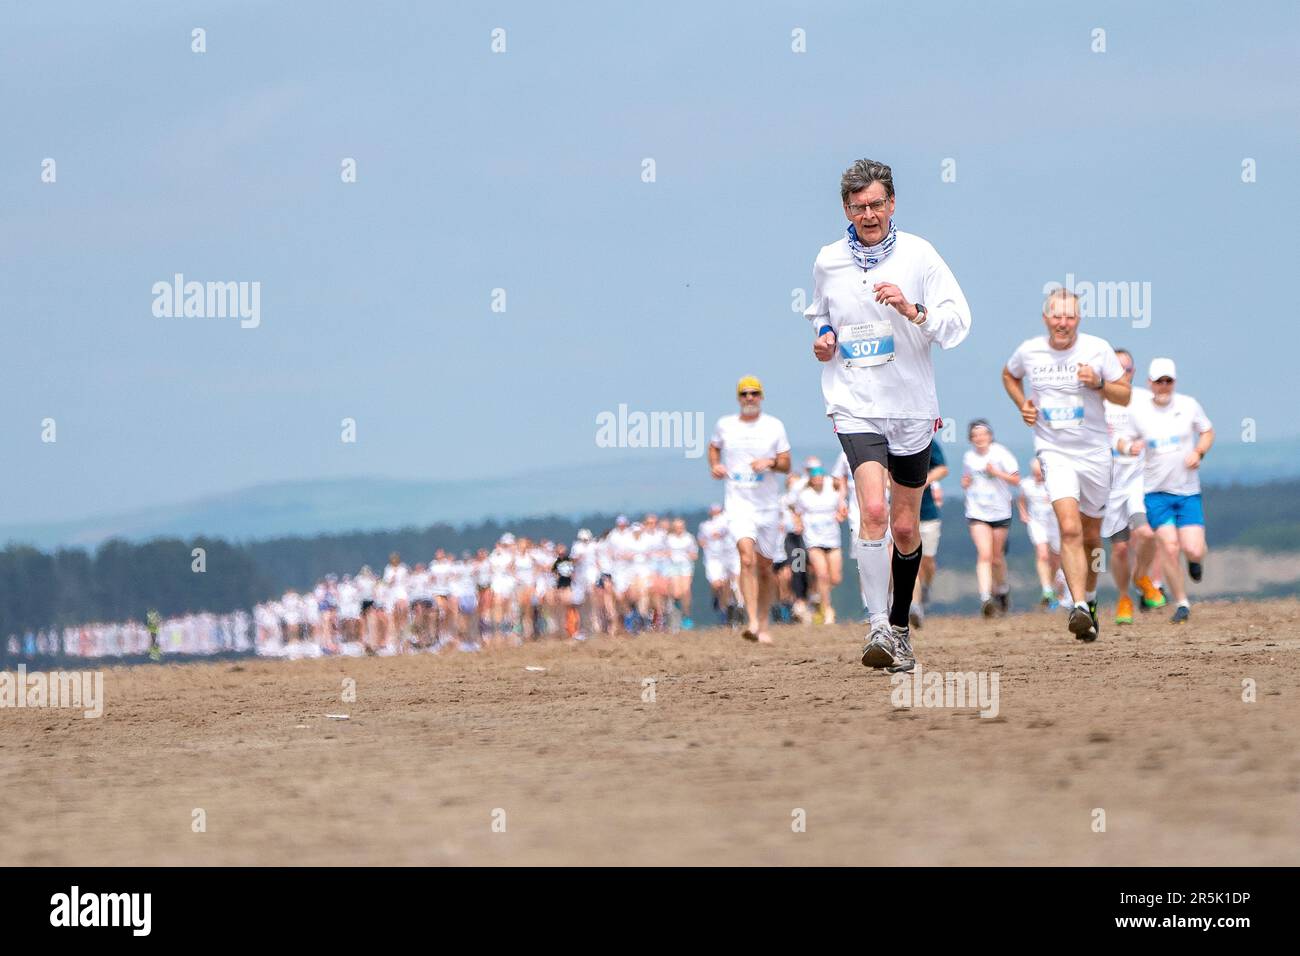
[{"x": 947, "y": 314}]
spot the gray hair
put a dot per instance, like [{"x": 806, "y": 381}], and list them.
[
  {"x": 862, "y": 174},
  {"x": 1060, "y": 294}
]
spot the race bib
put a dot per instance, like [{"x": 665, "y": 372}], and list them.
[
  {"x": 1066, "y": 411},
  {"x": 747, "y": 477},
  {"x": 1165, "y": 446},
  {"x": 867, "y": 344}
]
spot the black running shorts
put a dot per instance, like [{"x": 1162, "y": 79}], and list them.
[{"x": 910, "y": 471}]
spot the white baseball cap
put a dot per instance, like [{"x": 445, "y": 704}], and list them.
[{"x": 1160, "y": 368}]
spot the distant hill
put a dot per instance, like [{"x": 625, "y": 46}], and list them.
[
  {"x": 632, "y": 481},
  {"x": 366, "y": 504}
]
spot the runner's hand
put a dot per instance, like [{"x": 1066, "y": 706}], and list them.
[
  {"x": 889, "y": 294},
  {"x": 1192, "y": 460},
  {"x": 760, "y": 465},
  {"x": 1029, "y": 413},
  {"x": 824, "y": 347},
  {"x": 1088, "y": 376},
  {"x": 718, "y": 471}
]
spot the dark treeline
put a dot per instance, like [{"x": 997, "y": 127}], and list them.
[{"x": 120, "y": 581}]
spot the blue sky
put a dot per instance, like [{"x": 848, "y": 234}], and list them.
[{"x": 522, "y": 170}]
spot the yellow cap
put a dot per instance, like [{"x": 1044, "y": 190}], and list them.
[{"x": 749, "y": 383}]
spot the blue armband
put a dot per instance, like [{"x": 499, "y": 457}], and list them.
[{"x": 823, "y": 330}]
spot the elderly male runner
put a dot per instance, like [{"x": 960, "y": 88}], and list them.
[
  {"x": 1069, "y": 374},
  {"x": 881, "y": 299},
  {"x": 751, "y": 452}
]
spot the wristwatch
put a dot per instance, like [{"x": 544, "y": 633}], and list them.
[{"x": 922, "y": 313}]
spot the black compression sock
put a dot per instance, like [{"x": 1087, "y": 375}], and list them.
[{"x": 905, "y": 567}]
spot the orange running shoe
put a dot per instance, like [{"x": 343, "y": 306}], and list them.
[
  {"x": 1124, "y": 613},
  {"x": 1151, "y": 596}
]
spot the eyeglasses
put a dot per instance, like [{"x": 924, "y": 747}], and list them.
[
  {"x": 1128, "y": 369},
  {"x": 1164, "y": 380},
  {"x": 751, "y": 394},
  {"x": 857, "y": 209}
]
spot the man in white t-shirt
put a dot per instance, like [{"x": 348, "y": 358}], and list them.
[
  {"x": 1070, "y": 374},
  {"x": 750, "y": 451},
  {"x": 882, "y": 299},
  {"x": 1176, "y": 433}
]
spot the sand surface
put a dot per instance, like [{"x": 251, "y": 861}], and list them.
[{"x": 474, "y": 759}]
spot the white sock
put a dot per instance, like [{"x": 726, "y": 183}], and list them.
[
  {"x": 873, "y": 576},
  {"x": 1066, "y": 597}
]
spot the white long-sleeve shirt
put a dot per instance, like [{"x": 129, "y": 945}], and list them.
[{"x": 882, "y": 366}]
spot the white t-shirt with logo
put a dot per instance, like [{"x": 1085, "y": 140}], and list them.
[
  {"x": 1071, "y": 416},
  {"x": 1170, "y": 432},
  {"x": 988, "y": 498},
  {"x": 741, "y": 442}
]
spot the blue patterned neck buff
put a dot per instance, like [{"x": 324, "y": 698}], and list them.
[{"x": 868, "y": 256}]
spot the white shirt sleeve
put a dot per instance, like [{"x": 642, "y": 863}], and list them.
[
  {"x": 716, "y": 440},
  {"x": 1016, "y": 364},
  {"x": 1009, "y": 463},
  {"x": 947, "y": 320},
  {"x": 783, "y": 443},
  {"x": 1111, "y": 370},
  {"x": 818, "y": 312},
  {"x": 1200, "y": 421}
]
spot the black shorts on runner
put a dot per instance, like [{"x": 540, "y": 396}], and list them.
[
  {"x": 1003, "y": 523},
  {"x": 910, "y": 471}
]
